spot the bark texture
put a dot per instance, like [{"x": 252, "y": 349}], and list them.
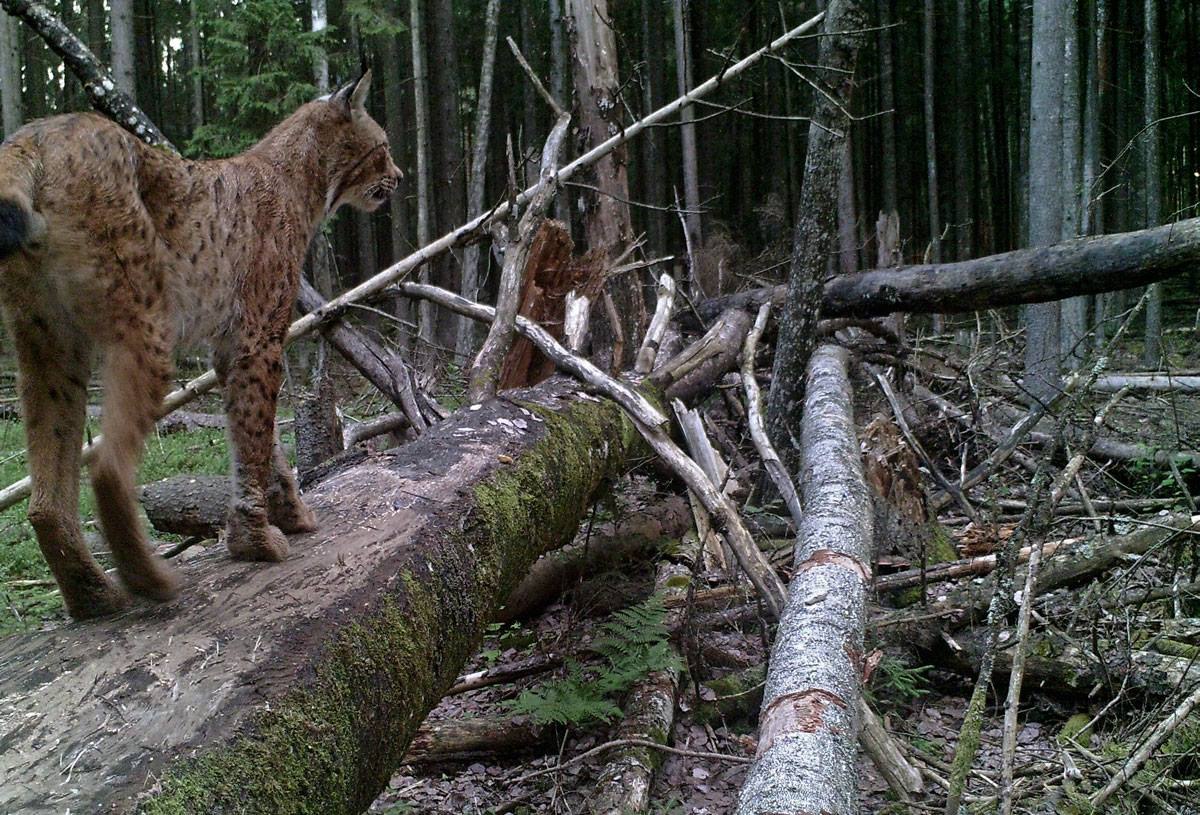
[
  {"x": 844, "y": 22},
  {"x": 1082, "y": 266},
  {"x": 297, "y": 687},
  {"x": 808, "y": 728},
  {"x": 607, "y": 224}
]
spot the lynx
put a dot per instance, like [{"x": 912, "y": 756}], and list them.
[{"x": 113, "y": 249}]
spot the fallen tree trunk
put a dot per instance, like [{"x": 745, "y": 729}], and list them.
[
  {"x": 1163, "y": 383},
  {"x": 297, "y": 687},
  {"x": 1068, "y": 269},
  {"x": 806, "y": 759}
]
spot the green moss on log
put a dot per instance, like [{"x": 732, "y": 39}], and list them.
[
  {"x": 330, "y": 746},
  {"x": 938, "y": 549}
]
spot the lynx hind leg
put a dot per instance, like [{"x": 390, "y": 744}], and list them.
[
  {"x": 53, "y": 389},
  {"x": 136, "y": 373},
  {"x": 285, "y": 508},
  {"x": 251, "y": 377}
]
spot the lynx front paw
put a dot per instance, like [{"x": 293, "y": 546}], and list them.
[{"x": 247, "y": 540}]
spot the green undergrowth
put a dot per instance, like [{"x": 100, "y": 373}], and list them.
[
  {"x": 28, "y": 598},
  {"x": 632, "y": 645}
]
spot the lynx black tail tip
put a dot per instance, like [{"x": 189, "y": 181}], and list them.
[{"x": 14, "y": 228}]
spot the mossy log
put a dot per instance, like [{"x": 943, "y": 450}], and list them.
[{"x": 297, "y": 687}]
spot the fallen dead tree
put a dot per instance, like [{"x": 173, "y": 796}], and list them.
[
  {"x": 808, "y": 726},
  {"x": 298, "y": 686},
  {"x": 1069, "y": 269}
]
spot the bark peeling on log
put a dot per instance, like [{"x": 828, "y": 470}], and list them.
[
  {"x": 807, "y": 753},
  {"x": 295, "y": 688}
]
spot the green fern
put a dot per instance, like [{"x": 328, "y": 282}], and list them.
[{"x": 632, "y": 645}]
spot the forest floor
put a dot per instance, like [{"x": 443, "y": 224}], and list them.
[
  {"x": 921, "y": 697},
  {"x": 922, "y": 700}
]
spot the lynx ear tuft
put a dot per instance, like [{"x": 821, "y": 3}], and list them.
[{"x": 354, "y": 94}]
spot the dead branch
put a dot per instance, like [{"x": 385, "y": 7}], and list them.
[
  {"x": 485, "y": 370},
  {"x": 651, "y": 424}
]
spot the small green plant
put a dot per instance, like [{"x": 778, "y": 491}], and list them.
[
  {"x": 632, "y": 645},
  {"x": 900, "y": 680},
  {"x": 1150, "y": 477}
]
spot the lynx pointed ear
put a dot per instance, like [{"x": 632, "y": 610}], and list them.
[
  {"x": 358, "y": 97},
  {"x": 354, "y": 94}
]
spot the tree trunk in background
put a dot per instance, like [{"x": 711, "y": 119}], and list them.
[
  {"x": 1152, "y": 355},
  {"x": 653, "y": 169},
  {"x": 320, "y": 21},
  {"x": 416, "y": 26},
  {"x": 931, "y": 163},
  {"x": 147, "y": 60},
  {"x": 394, "y": 60},
  {"x": 394, "y": 118},
  {"x": 1024, "y": 16},
  {"x": 935, "y": 220},
  {"x": 887, "y": 100},
  {"x": 1073, "y": 313},
  {"x": 121, "y": 25},
  {"x": 1091, "y": 205},
  {"x": 817, "y": 221},
  {"x": 465, "y": 343},
  {"x": 449, "y": 160},
  {"x": 1045, "y": 185},
  {"x": 33, "y": 58},
  {"x": 529, "y": 146},
  {"x": 364, "y": 222},
  {"x": 195, "y": 64},
  {"x": 560, "y": 89},
  {"x": 964, "y": 134},
  {"x": 606, "y": 220},
  {"x": 687, "y": 130},
  {"x": 97, "y": 40},
  {"x": 847, "y": 237},
  {"x": 11, "y": 108}
]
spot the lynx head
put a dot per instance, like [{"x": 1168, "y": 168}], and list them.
[{"x": 362, "y": 174}]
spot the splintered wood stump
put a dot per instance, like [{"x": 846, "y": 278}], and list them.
[
  {"x": 551, "y": 273},
  {"x": 297, "y": 687}
]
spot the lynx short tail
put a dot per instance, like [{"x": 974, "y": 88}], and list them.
[{"x": 20, "y": 226}]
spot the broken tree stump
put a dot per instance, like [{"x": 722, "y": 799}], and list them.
[{"x": 297, "y": 687}]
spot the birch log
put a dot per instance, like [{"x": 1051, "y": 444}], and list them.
[{"x": 808, "y": 726}]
